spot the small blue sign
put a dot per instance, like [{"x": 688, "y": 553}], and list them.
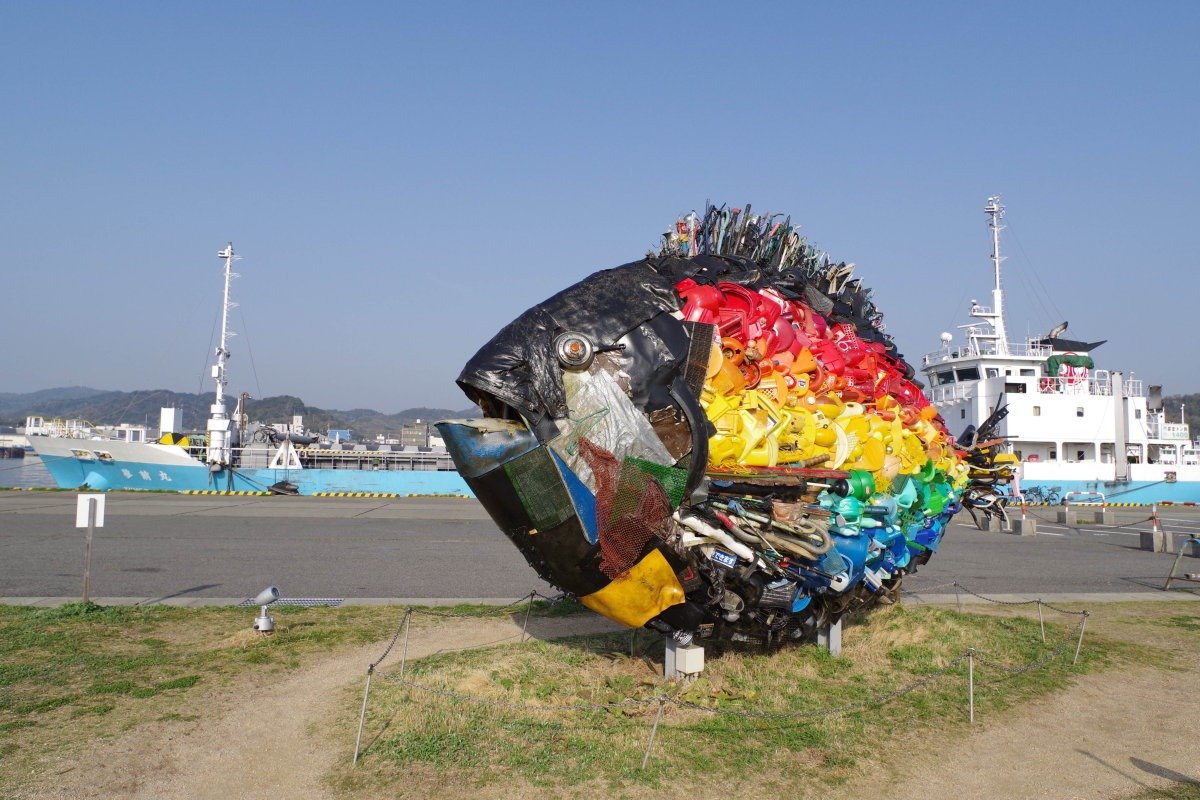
[{"x": 721, "y": 557}]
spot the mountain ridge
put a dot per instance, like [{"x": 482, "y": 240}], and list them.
[{"x": 142, "y": 407}]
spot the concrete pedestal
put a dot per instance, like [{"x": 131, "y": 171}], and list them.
[
  {"x": 682, "y": 661},
  {"x": 1086, "y": 516},
  {"x": 1025, "y": 527},
  {"x": 1152, "y": 541},
  {"x": 830, "y": 637}
]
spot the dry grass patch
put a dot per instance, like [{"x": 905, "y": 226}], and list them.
[
  {"x": 81, "y": 672},
  {"x": 551, "y": 715}
]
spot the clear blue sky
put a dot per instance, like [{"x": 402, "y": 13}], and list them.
[{"x": 404, "y": 179}]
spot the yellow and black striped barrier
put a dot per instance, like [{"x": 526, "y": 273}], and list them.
[
  {"x": 356, "y": 494},
  {"x": 215, "y": 491},
  {"x": 1088, "y": 503}
]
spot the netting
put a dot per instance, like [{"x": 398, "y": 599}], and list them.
[
  {"x": 631, "y": 506},
  {"x": 537, "y": 482}
]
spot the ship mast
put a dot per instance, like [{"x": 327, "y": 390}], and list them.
[
  {"x": 218, "y": 420},
  {"x": 996, "y": 211}
]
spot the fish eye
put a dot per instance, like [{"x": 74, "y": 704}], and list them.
[{"x": 574, "y": 350}]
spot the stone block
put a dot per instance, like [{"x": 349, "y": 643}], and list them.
[
  {"x": 682, "y": 661},
  {"x": 1025, "y": 527},
  {"x": 831, "y": 638}
]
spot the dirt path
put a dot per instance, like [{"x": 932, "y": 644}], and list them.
[
  {"x": 1108, "y": 736},
  {"x": 260, "y": 743}
]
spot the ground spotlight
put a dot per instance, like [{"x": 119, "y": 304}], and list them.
[{"x": 263, "y": 623}]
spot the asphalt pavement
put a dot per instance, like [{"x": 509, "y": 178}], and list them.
[{"x": 222, "y": 549}]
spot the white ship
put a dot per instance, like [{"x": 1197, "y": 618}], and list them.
[
  {"x": 1079, "y": 431},
  {"x": 228, "y": 457}
]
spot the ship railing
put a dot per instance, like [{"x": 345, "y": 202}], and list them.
[
  {"x": 318, "y": 458},
  {"x": 1099, "y": 384},
  {"x": 953, "y": 391},
  {"x": 984, "y": 347}
]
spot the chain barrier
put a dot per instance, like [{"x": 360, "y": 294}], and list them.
[
  {"x": 925, "y": 589},
  {"x": 662, "y": 700},
  {"x": 395, "y": 636},
  {"x": 1013, "y": 672},
  {"x": 428, "y": 612},
  {"x": 1029, "y": 512},
  {"x": 1039, "y": 602},
  {"x": 403, "y": 627}
]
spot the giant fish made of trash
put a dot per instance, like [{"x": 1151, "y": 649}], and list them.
[{"x": 716, "y": 441}]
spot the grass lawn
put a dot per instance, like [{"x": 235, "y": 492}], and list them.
[
  {"x": 71, "y": 674},
  {"x": 554, "y": 714}
]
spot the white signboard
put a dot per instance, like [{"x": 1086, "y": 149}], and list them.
[{"x": 81, "y": 510}]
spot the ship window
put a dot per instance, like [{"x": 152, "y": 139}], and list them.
[
  {"x": 962, "y": 414},
  {"x": 1037, "y": 411},
  {"x": 944, "y": 377},
  {"x": 967, "y": 374},
  {"x": 1137, "y": 413},
  {"x": 992, "y": 372},
  {"x": 1053, "y": 454},
  {"x": 1008, "y": 372},
  {"x": 1079, "y": 411},
  {"x": 1015, "y": 388},
  {"x": 1028, "y": 373}
]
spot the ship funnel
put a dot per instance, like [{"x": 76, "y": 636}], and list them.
[{"x": 1154, "y": 399}]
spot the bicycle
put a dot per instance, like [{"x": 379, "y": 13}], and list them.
[
  {"x": 985, "y": 504},
  {"x": 1038, "y": 494}
]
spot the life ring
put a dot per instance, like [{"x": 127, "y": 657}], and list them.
[{"x": 1047, "y": 385}]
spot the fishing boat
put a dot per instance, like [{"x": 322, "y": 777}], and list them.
[
  {"x": 1080, "y": 432},
  {"x": 233, "y": 456}
]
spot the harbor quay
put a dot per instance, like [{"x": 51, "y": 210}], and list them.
[{"x": 197, "y": 550}]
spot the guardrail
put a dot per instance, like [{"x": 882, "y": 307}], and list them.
[{"x": 1102, "y": 502}]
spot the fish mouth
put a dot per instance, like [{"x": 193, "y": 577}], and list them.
[{"x": 592, "y": 437}]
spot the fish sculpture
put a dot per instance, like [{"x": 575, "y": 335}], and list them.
[{"x": 716, "y": 441}]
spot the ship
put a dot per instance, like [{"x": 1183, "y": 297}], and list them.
[
  {"x": 1079, "y": 432},
  {"x": 231, "y": 455}
]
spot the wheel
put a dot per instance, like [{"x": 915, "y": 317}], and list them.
[{"x": 979, "y": 517}]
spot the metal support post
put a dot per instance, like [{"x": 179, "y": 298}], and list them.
[
  {"x": 662, "y": 703},
  {"x": 1041, "y": 621},
  {"x": 362, "y": 716},
  {"x": 528, "y": 611},
  {"x": 1080, "y": 645},
  {"x": 404, "y": 651},
  {"x": 971, "y": 685},
  {"x": 87, "y": 550}
]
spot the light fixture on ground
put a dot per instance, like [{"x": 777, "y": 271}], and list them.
[{"x": 263, "y": 623}]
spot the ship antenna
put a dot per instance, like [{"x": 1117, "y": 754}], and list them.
[
  {"x": 218, "y": 420},
  {"x": 996, "y": 211}
]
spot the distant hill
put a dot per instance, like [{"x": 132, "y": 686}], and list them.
[
  {"x": 13, "y": 402},
  {"x": 142, "y": 407},
  {"x": 1191, "y": 412}
]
